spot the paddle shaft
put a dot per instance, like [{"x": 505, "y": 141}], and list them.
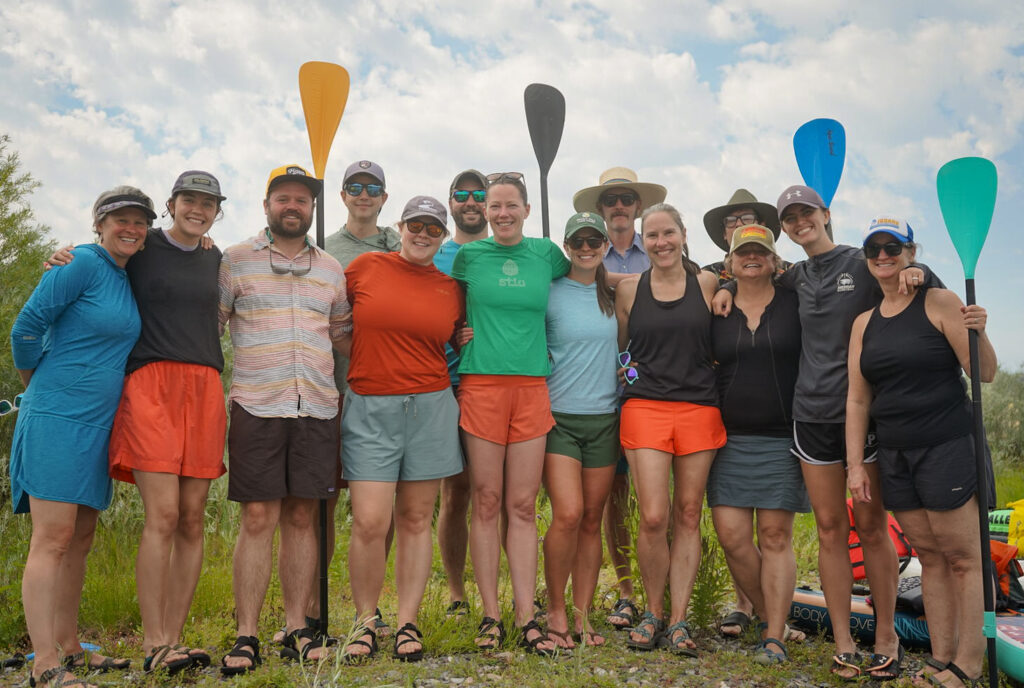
[
  {"x": 545, "y": 222},
  {"x": 323, "y": 502},
  {"x": 988, "y": 576}
]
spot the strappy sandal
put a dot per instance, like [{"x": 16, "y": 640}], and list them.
[
  {"x": 80, "y": 660},
  {"x": 380, "y": 626},
  {"x": 923, "y": 676},
  {"x": 405, "y": 635},
  {"x": 199, "y": 657},
  {"x": 156, "y": 660},
  {"x": 768, "y": 656},
  {"x": 844, "y": 661},
  {"x": 677, "y": 643},
  {"x": 623, "y": 614},
  {"x": 534, "y": 645},
  {"x": 355, "y": 658},
  {"x": 294, "y": 650},
  {"x": 457, "y": 608},
  {"x": 247, "y": 647},
  {"x": 886, "y": 668},
  {"x": 588, "y": 638},
  {"x": 66, "y": 678},
  {"x": 734, "y": 618},
  {"x": 960, "y": 674},
  {"x": 492, "y": 640},
  {"x": 568, "y": 639},
  {"x": 651, "y": 637}
]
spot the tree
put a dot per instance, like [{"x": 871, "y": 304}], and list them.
[{"x": 23, "y": 248}]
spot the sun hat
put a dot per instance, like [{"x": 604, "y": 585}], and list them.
[
  {"x": 741, "y": 198},
  {"x": 583, "y": 220},
  {"x": 425, "y": 206},
  {"x": 753, "y": 234},
  {"x": 618, "y": 177},
  {"x": 122, "y": 197},
  {"x": 197, "y": 180},
  {"x": 899, "y": 229},
  {"x": 293, "y": 173},
  {"x": 364, "y": 167}
]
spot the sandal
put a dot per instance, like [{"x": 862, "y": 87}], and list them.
[
  {"x": 767, "y": 656},
  {"x": 15, "y": 661},
  {"x": 534, "y": 645},
  {"x": 82, "y": 660},
  {"x": 492, "y": 641},
  {"x": 651, "y": 637},
  {"x": 50, "y": 676},
  {"x": 623, "y": 614},
  {"x": 157, "y": 660},
  {"x": 568, "y": 639},
  {"x": 408, "y": 634},
  {"x": 457, "y": 608},
  {"x": 845, "y": 661},
  {"x": 678, "y": 644},
  {"x": 247, "y": 647},
  {"x": 734, "y": 618},
  {"x": 380, "y": 626},
  {"x": 354, "y": 657},
  {"x": 588, "y": 638},
  {"x": 960, "y": 674},
  {"x": 923, "y": 676},
  {"x": 198, "y": 656},
  {"x": 886, "y": 668},
  {"x": 294, "y": 650}
]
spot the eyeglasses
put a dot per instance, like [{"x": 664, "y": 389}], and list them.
[
  {"x": 462, "y": 196},
  {"x": 434, "y": 230},
  {"x": 631, "y": 373},
  {"x": 744, "y": 219},
  {"x": 498, "y": 177},
  {"x": 298, "y": 272},
  {"x": 372, "y": 190},
  {"x": 576, "y": 242},
  {"x": 10, "y": 407},
  {"x": 892, "y": 248},
  {"x": 628, "y": 198}
]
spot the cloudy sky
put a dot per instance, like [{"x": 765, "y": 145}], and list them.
[{"x": 702, "y": 97}]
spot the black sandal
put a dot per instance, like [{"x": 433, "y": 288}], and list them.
[
  {"x": 623, "y": 614},
  {"x": 247, "y": 647},
  {"x": 405, "y": 635},
  {"x": 352, "y": 658},
  {"x": 71, "y": 662},
  {"x": 847, "y": 660},
  {"x": 734, "y": 618},
  {"x": 533, "y": 645},
  {"x": 886, "y": 668},
  {"x": 483, "y": 632},
  {"x": 48, "y": 677},
  {"x": 964, "y": 678},
  {"x": 154, "y": 661},
  {"x": 294, "y": 650}
]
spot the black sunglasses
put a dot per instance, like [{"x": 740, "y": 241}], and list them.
[
  {"x": 576, "y": 242},
  {"x": 892, "y": 248},
  {"x": 434, "y": 230},
  {"x": 628, "y": 198},
  {"x": 282, "y": 270},
  {"x": 372, "y": 190},
  {"x": 462, "y": 196}
]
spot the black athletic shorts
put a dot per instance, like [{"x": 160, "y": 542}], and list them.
[
  {"x": 938, "y": 478},
  {"x": 822, "y": 444}
]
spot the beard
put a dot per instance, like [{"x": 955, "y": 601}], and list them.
[
  {"x": 277, "y": 226},
  {"x": 481, "y": 225}
]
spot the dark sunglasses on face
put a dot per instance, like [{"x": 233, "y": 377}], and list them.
[
  {"x": 372, "y": 190},
  {"x": 434, "y": 230},
  {"x": 892, "y": 248},
  {"x": 462, "y": 196},
  {"x": 744, "y": 219},
  {"x": 576, "y": 242},
  {"x": 628, "y": 198},
  {"x": 631, "y": 373}
]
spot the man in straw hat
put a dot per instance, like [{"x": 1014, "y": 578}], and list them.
[
  {"x": 742, "y": 209},
  {"x": 620, "y": 199}
]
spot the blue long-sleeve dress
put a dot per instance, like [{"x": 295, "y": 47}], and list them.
[{"x": 75, "y": 331}]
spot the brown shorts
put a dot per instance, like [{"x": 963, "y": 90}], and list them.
[
  {"x": 171, "y": 420},
  {"x": 675, "y": 427},
  {"x": 273, "y": 458},
  {"x": 505, "y": 408}
]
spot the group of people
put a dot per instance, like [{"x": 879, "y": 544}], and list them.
[{"x": 407, "y": 365}]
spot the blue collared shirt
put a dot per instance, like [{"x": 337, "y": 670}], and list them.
[{"x": 634, "y": 261}]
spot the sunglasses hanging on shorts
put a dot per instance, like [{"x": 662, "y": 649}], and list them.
[
  {"x": 893, "y": 248},
  {"x": 434, "y": 230},
  {"x": 372, "y": 190},
  {"x": 10, "y": 406},
  {"x": 576, "y": 243},
  {"x": 631, "y": 373},
  {"x": 462, "y": 196},
  {"x": 628, "y": 198}
]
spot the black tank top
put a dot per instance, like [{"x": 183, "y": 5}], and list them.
[
  {"x": 671, "y": 344},
  {"x": 920, "y": 398}
]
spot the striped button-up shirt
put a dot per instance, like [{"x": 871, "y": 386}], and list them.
[{"x": 282, "y": 327}]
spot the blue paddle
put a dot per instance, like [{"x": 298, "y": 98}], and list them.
[
  {"x": 820, "y": 148},
  {"x": 967, "y": 196}
]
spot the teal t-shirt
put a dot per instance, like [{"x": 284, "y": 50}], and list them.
[
  {"x": 582, "y": 344},
  {"x": 506, "y": 298}
]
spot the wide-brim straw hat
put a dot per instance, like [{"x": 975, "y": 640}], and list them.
[
  {"x": 615, "y": 178},
  {"x": 741, "y": 198}
]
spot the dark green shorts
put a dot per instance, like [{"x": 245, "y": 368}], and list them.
[{"x": 591, "y": 439}]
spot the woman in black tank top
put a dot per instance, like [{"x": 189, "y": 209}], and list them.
[
  {"x": 670, "y": 424},
  {"x": 904, "y": 370}
]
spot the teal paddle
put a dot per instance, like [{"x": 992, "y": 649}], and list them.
[
  {"x": 820, "y": 148},
  {"x": 967, "y": 196}
]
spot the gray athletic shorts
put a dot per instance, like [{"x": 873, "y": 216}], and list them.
[
  {"x": 938, "y": 478},
  {"x": 757, "y": 472},
  {"x": 387, "y": 438}
]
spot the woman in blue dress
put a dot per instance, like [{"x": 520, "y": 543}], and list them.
[{"x": 70, "y": 343}]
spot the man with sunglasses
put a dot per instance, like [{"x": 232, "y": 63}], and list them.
[
  {"x": 283, "y": 438},
  {"x": 620, "y": 199}
]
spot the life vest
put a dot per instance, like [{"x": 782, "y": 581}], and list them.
[{"x": 903, "y": 549}]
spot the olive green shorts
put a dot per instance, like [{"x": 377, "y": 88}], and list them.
[{"x": 592, "y": 440}]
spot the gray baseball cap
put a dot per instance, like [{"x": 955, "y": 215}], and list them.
[
  {"x": 425, "y": 206},
  {"x": 798, "y": 193},
  {"x": 197, "y": 180},
  {"x": 122, "y": 197},
  {"x": 365, "y": 167}
]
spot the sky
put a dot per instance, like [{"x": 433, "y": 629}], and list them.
[{"x": 702, "y": 97}]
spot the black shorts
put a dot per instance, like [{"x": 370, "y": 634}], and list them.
[
  {"x": 823, "y": 444},
  {"x": 938, "y": 478},
  {"x": 274, "y": 458}
]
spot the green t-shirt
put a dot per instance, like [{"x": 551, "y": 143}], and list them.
[{"x": 506, "y": 299}]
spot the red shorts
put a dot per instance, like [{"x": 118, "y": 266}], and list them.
[
  {"x": 171, "y": 420},
  {"x": 505, "y": 408},
  {"x": 674, "y": 427}
]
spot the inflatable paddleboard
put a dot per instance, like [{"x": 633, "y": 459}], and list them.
[
  {"x": 1010, "y": 646},
  {"x": 809, "y": 613}
]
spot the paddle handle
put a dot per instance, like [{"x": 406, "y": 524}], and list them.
[{"x": 545, "y": 223}]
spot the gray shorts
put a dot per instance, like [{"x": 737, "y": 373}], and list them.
[
  {"x": 757, "y": 472},
  {"x": 387, "y": 438}
]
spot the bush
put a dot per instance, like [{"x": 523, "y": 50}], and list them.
[{"x": 1003, "y": 406}]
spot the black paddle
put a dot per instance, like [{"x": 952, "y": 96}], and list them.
[{"x": 545, "y": 117}]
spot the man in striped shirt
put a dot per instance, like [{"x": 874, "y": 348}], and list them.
[{"x": 284, "y": 302}]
